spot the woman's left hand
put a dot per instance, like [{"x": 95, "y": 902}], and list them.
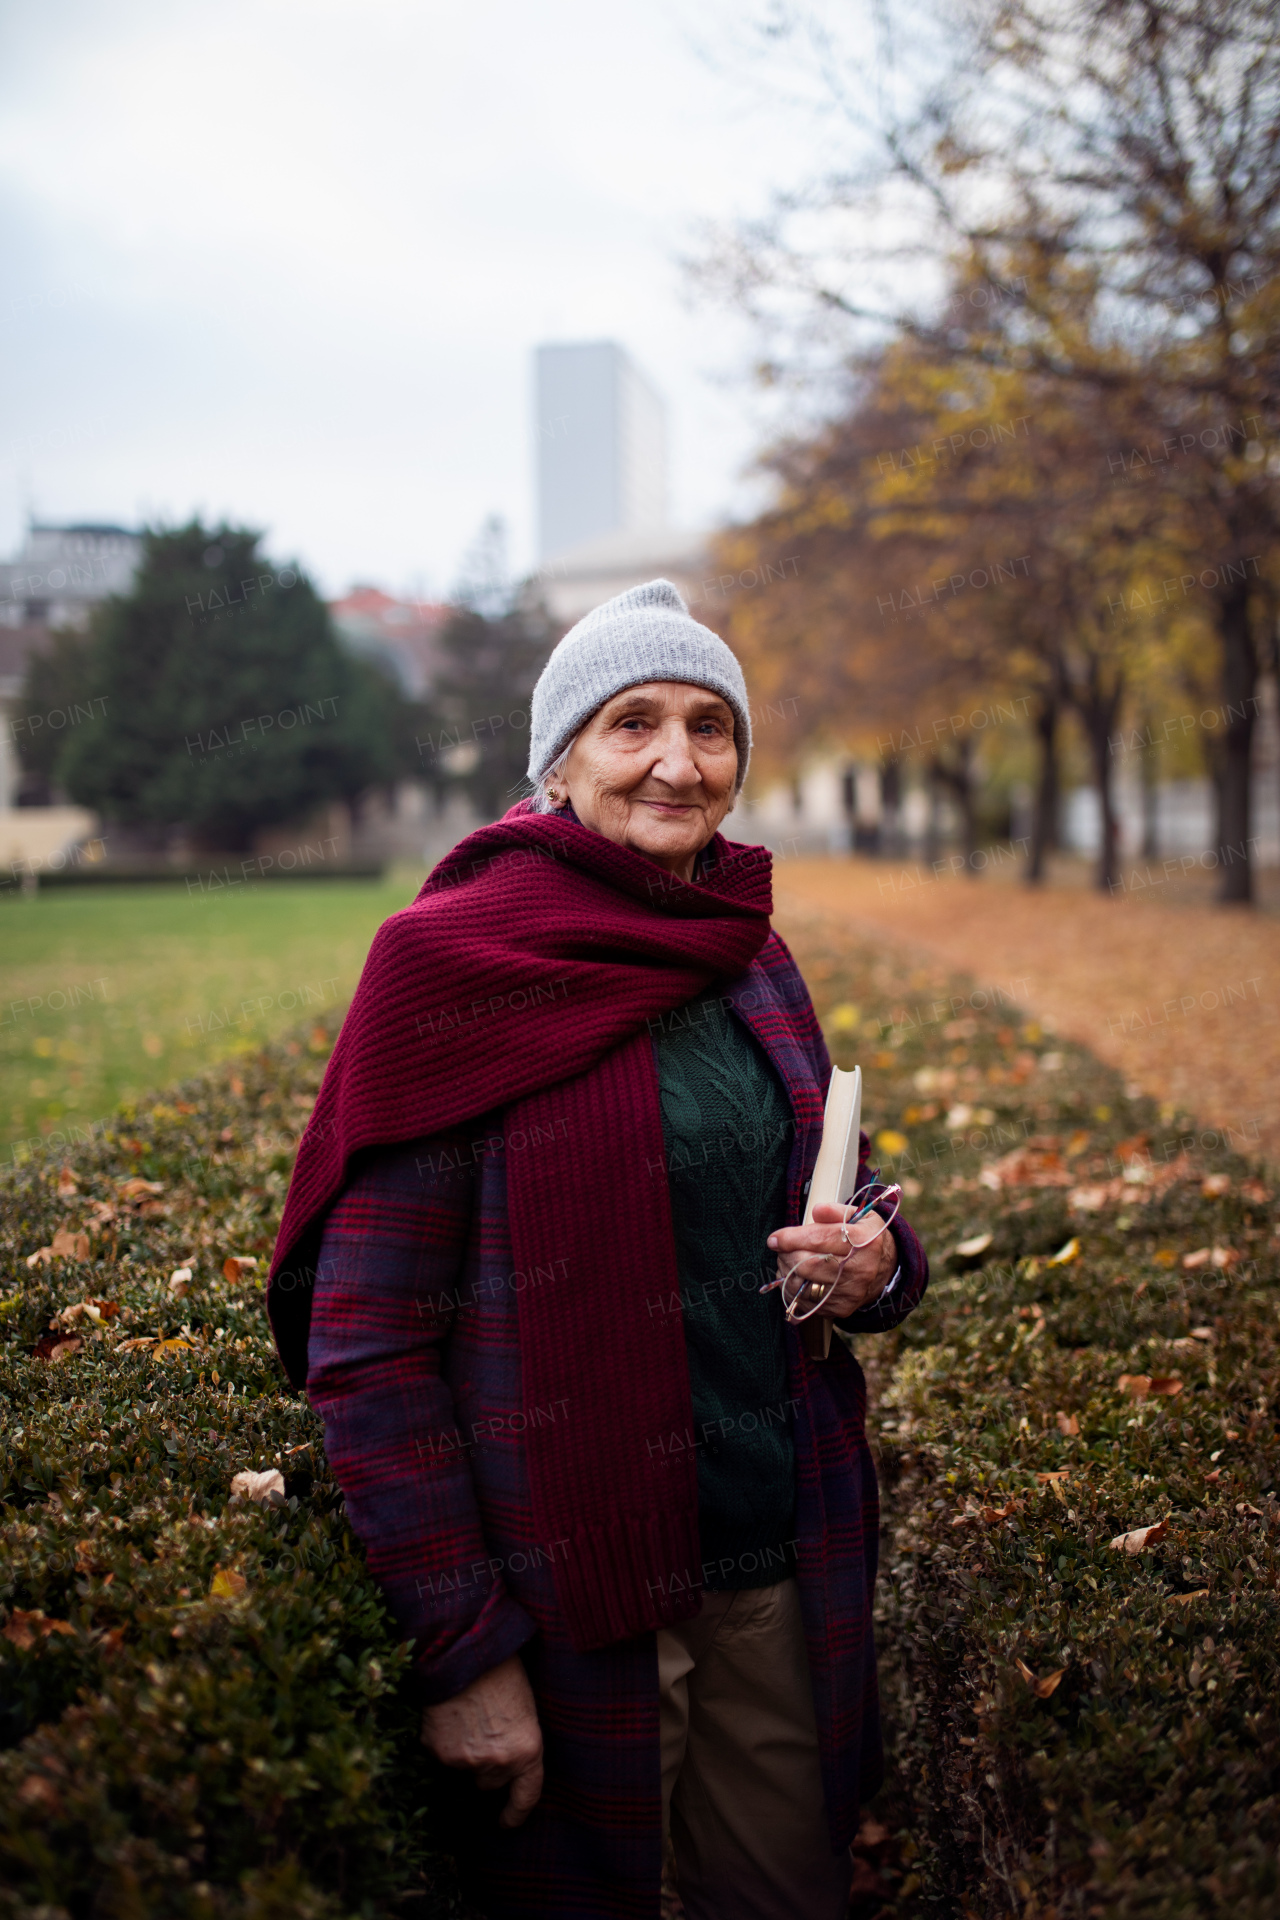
[{"x": 816, "y": 1254}]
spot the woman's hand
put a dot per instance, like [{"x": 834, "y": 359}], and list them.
[
  {"x": 815, "y": 1254},
  {"x": 492, "y": 1728}
]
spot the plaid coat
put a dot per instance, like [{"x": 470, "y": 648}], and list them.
[{"x": 414, "y": 1367}]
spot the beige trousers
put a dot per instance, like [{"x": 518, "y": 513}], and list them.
[{"x": 742, "y": 1794}]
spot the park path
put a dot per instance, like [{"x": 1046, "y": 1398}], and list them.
[{"x": 1184, "y": 999}]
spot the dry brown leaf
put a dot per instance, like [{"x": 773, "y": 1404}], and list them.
[
  {"x": 1166, "y": 1386},
  {"x": 173, "y": 1346},
  {"x": 1136, "y": 1385},
  {"x": 138, "y": 1189},
  {"x": 1041, "y": 1688},
  {"x": 143, "y": 1340},
  {"x": 24, "y": 1629},
  {"x": 1185, "y": 1599},
  {"x": 1214, "y": 1185},
  {"x": 180, "y": 1282},
  {"x": 71, "y": 1246},
  {"x": 1200, "y": 1258},
  {"x": 258, "y": 1487},
  {"x": 237, "y": 1267},
  {"x": 1254, "y": 1191},
  {"x": 1067, "y": 1422},
  {"x": 1065, "y": 1255},
  {"x": 66, "y": 1184},
  {"x": 41, "y": 1256},
  {"x": 1037, "y": 1164},
  {"x": 66, "y": 1349},
  {"x": 227, "y": 1584},
  {"x": 1138, "y": 1539}
]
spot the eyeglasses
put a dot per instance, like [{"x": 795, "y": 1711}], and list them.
[{"x": 863, "y": 1202}]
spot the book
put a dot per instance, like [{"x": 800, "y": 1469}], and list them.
[{"x": 835, "y": 1176}]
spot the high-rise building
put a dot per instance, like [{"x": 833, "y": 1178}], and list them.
[{"x": 601, "y": 446}]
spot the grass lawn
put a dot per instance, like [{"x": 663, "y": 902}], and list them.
[{"x": 108, "y": 993}]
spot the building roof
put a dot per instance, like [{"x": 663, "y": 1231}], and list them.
[{"x": 402, "y": 634}]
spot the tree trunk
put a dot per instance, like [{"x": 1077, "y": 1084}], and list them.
[
  {"x": 960, "y": 780},
  {"x": 1235, "y": 747},
  {"x": 1109, "y": 838},
  {"x": 1099, "y": 707},
  {"x": 1044, "y": 818},
  {"x": 891, "y": 808},
  {"x": 1150, "y": 797}
]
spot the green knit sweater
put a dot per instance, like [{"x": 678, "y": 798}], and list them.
[{"x": 728, "y": 1129}]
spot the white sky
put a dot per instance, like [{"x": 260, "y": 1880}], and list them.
[{"x": 287, "y": 259}]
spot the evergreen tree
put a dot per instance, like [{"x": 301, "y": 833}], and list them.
[{"x": 230, "y": 703}]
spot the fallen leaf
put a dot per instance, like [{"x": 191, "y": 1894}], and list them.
[
  {"x": 970, "y": 1249},
  {"x": 1224, "y": 1256},
  {"x": 1215, "y": 1475},
  {"x": 1166, "y": 1385},
  {"x": 71, "y": 1246},
  {"x": 39, "y": 1791},
  {"x": 1136, "y": 1385},
  {"x": 237, "y": 1267},
  {"x": 1200, "y": 1258},
  {"x": 258, "y": 1487},
  {"x": 1214, "y": 1185},
  {"x": 1185, "y": 1599},
  {"x": 24, "y": 1629},
  {"x": 1203, "y": 1333},
  {"x": 890, "y": 1141},
  {"x": 1041, "y": 1688},
  {"x": 67, "y": 1184},
  {"x": 143, "y": 1340},
  {"x": 172, "y": 1346},
  {"x": 180, "y": 1282},
  {"x": 1165, "y": 1257},
  {"x": 1138, "y": 1539},
  {"x": 227, "y": 1584},
  {"x": 184, "y": 1106},
  {"x": 1090, "y": 1199},
  {"x": 137, "y": 1189},
  {"x": 236, "y": 1085},
  {"x": 1255, "y": 1191},
  {"x": 1065, "y": 1255},
  {"x": 1062, "y": 1473},
  {"x": 66, "y": 1349},
  {"x": 41, "y": 1255},
  {"x": 1067, "y": 1422}
]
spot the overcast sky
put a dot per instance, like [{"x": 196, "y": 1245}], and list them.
[{"x": 286, "y": 260}]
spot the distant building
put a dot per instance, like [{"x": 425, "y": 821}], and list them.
[
  {"x": 402, "y": 635},
  {"x": 60, "y": 574},
  {"x": 56, "y": 579},
  {"x": 574, "y": 582},
  {"x": 601, "y": 446}
]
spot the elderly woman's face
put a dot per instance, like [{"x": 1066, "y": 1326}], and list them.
[{"x": 654, "y": 770}]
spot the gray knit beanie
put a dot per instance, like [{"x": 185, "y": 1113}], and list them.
[{"x": 646, "y": 633}]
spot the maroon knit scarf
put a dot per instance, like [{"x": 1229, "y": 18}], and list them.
[{"x": 523, "y": 977}]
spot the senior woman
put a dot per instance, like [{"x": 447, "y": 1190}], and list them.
[{"x": 526, "y": 1271}]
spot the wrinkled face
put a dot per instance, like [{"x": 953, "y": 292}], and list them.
[{"x": 654, "y": 770}]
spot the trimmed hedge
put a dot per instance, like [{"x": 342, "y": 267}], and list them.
[
  {"x": 200, "y": 1698},
  {"x": 1016, "y": 1441}
]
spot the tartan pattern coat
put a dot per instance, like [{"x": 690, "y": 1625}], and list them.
[{"x": 414, "y": 1368}]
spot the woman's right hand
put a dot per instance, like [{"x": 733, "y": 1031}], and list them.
[{"x": 491, "y": 1727}]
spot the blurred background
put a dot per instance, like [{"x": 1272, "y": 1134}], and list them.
[{"x": 353, "y": 352}]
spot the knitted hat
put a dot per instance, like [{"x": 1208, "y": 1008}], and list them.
[{"x": 646, "y": 633}]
